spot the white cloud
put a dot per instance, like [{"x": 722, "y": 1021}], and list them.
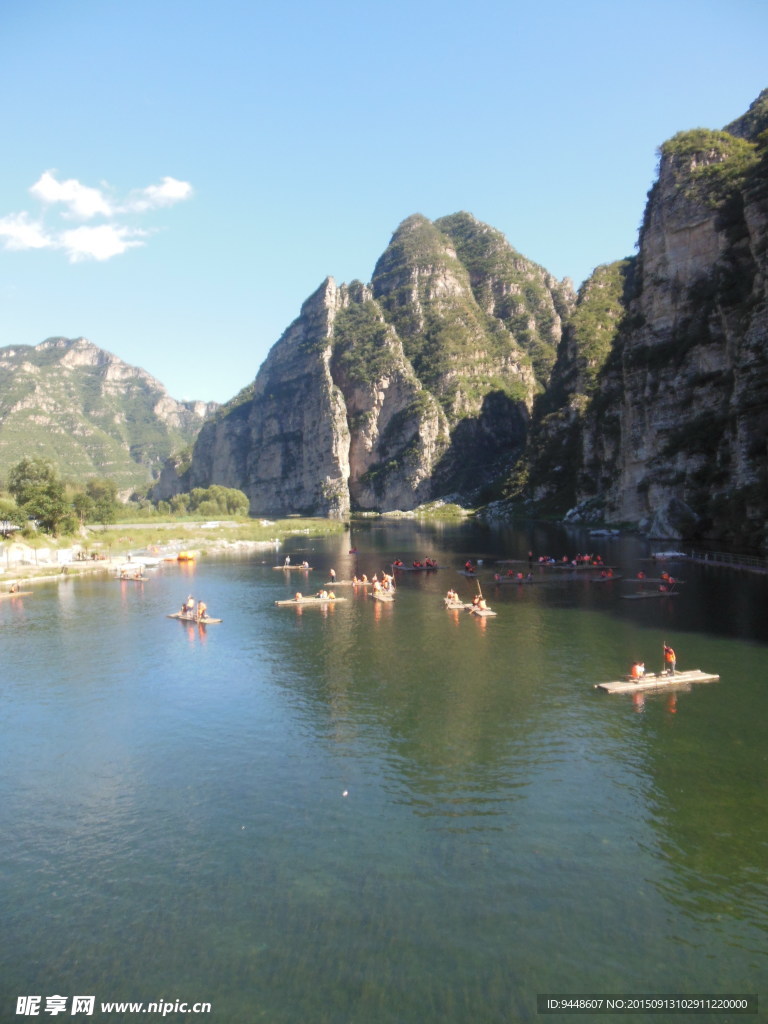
[
  {"x": 168, "y": 192},
  {"x": 20, "y": 232},
  {"x": 101, "y": 243},
  {"x": 82, "y": 201}
]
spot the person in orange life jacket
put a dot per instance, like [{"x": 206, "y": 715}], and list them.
[{"x": 670, "y": 659}]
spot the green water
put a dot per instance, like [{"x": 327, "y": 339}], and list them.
[{"x": 381, "y": 813}]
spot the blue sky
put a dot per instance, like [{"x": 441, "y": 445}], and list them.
[{"x": 180, "y": 176}]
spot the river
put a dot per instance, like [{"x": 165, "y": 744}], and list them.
[{"x": 382, "y": 814}]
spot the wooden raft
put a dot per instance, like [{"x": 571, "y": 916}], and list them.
[
  {"x": 187, "y": 617},
  {"x": 658, "y": 681},
  {"x": 309, "y": 600}
]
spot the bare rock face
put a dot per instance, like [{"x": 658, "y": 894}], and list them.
[
  {"x": 655, "y": 413},
  {"x": 383, "y": 396},
  {"x": 285, "y": 442},
  {"x": 673, "y": 520},
  {"x": 674, "y": 434}
]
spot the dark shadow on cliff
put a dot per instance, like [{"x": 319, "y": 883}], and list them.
[{"x": 482, "y": 446}]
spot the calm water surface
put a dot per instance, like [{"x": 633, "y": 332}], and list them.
[{"x": 382, "y": 813}]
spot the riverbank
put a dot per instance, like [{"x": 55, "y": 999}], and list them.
[{"x": 108, "y": 549}]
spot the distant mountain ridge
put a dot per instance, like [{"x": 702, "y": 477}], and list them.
[{"x": 89, "y": 412}]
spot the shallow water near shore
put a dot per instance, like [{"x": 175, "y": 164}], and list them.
[{"x": 382, "y": 813}]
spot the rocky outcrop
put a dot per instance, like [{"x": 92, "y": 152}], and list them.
[
  {"x": 89, "y": 412},
  {"x": 673, "y": 434},
  {"x": 383, "y": 396}
]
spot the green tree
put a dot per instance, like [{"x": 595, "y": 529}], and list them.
[
  {"x": 103, "y": 494},
  {"x": 84, "y": 507},
  {"x": 28, "y": 478},
  {"x": 39, "y": 493},
  {"x": 50, "y": 509},
  {"x": 179, "y": 504}
]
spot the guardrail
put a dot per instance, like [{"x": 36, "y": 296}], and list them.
[{"x": 752, "y": 563}]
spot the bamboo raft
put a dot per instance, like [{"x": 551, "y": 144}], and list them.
[
  {"x": 287, "y": 568},
  {"x": 653, "y": 579},
  {"x": 658, "y": 681},
  {"x": 18, "y": 593},
  {"x": 309, "y": 600},
  {"x": 191, "y": 617},
  {"x": 461, "y": 606},
  {"x": 382, "y": 595},
  {"x": 414, "y": 568},
  {"x": 645, "y": 594},
  {"x": 348, "y": 583}
]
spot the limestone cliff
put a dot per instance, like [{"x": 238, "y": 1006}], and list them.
[
  {"x": 383, "y": 396},
  {"x": 672, "y": 432}
]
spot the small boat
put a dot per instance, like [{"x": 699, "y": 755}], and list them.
[
  {"x": 191, "y": 617},
  {"x": 18, "y": 593},
  {"x": 309, "y": 600},
  {"x": 658, "y": 681},
  {"x": 186, "y": 556},
  {"x": 151, "y": 561}
]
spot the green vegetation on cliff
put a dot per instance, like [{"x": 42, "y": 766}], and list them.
[
  {"x": 712, "y": 164},
  {"x": 518, "y": 293},
  {"x": 467, "y": 309},
  {"x": 362, "y": 343}
]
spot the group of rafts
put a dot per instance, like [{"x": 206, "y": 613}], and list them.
[{"x": 383, "y": 589}]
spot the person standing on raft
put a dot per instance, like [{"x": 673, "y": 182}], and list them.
[{"x": 670, "y": 660}]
